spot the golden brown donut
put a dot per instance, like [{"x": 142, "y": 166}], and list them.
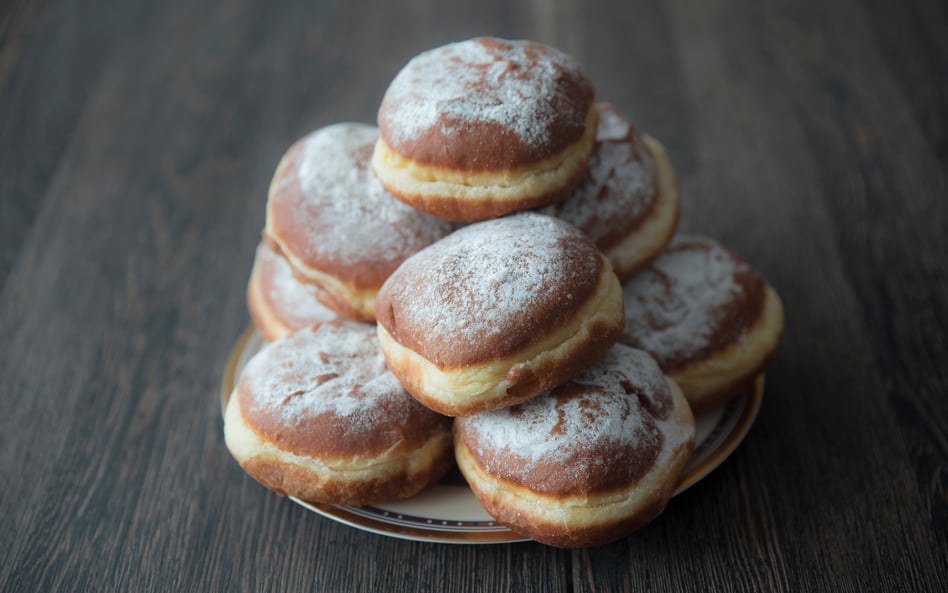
[
  {"x": 587, "y": 463},
  {"x": 335, "y": 223},
  {"x": 317, "y": 416},
  {"x": 484, "y": 127},
  {"x": 497, "y": 313},
  {"x": 279, "y": 304},
  {"x": 628, "y": 200},
  {"x": 707, "y": 316}
]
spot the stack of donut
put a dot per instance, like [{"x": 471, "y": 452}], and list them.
[{"x": 490, "y": 278}]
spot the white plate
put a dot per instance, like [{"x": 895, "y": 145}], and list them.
[{"x": 449, "y": 513}]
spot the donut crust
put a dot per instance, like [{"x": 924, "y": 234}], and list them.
[
  {"x": 317, "y": 416},
  {"x": 370, "y": 479},
  {"x": 468, "y": 196},
  {"x": 583, "y": 519},
  {"x": 484, "y": 127},
  {"x": 274, "y": 312},
  {"x": 651, "y": 237},
  {"x": 726, "y": 373},
  {"x": 347, "y": 299},
  {"x": 628, "y": 200},
  {"x": 707, "y": 316},
  {"x": 342, "y": 233},
  {"x": 476, "y": 387}
]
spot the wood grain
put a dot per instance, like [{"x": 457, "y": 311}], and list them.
[{"x": 137, "y": 141}]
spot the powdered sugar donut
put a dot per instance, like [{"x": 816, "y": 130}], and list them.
[
  {"x": 628, "y": 200},
  {"x": 336, "y": 225},
  {"x": 317, "y": 416},
  {"x": 587, "y": 463},
  {"x": 280, "y": 304},
  {"x": 707, "y": 316},
  {"x": 498, "y": 312},
  {"x": 485, "y": 127}
]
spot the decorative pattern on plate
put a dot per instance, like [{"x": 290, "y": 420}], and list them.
[{"x": 449, "y": 513}]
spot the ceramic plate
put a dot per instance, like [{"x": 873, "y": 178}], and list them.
[{"x": 449, "y": 513}]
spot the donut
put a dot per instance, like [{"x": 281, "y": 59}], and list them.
[
  {"x": 317, "y": 416},
  {"x": 587, "y": 463},
  {"x": 485, "y": 127},
  {"x": 335, "y": 223},
  {"x": 497, "y": 313},
  {"x": 279, "y": 304},
  {"x": 628, "y": 200},
  {"x": 707, "y": 316}
]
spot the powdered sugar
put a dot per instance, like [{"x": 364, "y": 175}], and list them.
[
  {"x": 349, "y": 216},
  {"x": 487, "y": 277},
  {"x": 611, "y": 406},
  {"x": 333, "y": 367},
  {"x": 619, "y": 187},
  {"x": 291, "y": 299},
  {"x": 672, "y": 306},
  {"x": 515, "y": 84},
  {"x": 612, "y": 126}
]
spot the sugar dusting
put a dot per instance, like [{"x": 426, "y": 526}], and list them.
[
  {"x": 672, "y": 305},
  {"x": 292, "y": 300},
  {"x": 352, "y": 218},
  {"x": 515, "y": 84},
  {"x": 333, "y": 367},
  {"x": 478, "y": 281},
  {"x": 610, "y": 407},
  {"x": 619, "y": 187}
]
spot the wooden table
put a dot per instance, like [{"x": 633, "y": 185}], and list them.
[{"x": 137, "y": 140}]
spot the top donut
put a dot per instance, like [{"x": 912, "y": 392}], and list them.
[{"x": 481, "y": 128}]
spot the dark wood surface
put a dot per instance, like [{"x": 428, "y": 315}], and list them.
[{"x": 137, "y": 140}]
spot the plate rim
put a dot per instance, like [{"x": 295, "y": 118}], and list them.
[
  {"x": 497, "y": 533},
  {"x": 748, "y": 415}
]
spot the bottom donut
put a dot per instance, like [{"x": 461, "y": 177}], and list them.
[
  {"x": 317, "y": 416},
  {"x": 587, "y": 463}
]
